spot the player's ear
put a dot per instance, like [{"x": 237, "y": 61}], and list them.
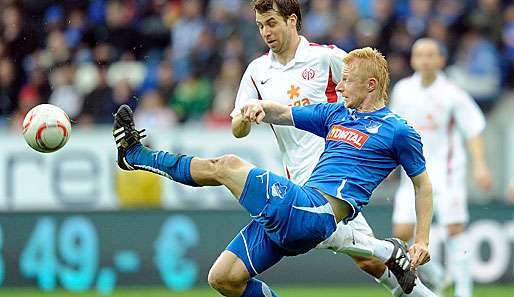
[
  {"x": 372, "y": 84},
  {"x": 293, "y": 19}
]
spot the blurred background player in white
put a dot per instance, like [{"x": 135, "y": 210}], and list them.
[
  {"x": 445, "y": 117},
  {"x": 296, "y": 73}
]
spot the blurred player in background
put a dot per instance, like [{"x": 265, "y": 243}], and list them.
[
  {"x": 297, "y": 73},
  {"x": 445, "y": 116},
  {"x": 289, "y": 219},
  {"x": 510, "y": 191}
]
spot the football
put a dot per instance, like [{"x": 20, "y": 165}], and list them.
[{"x": 46, "y": 128}]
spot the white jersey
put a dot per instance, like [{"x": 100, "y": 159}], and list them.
[
  {"x": 443, "y": 115},
  {"x": 310, "y": 77}
]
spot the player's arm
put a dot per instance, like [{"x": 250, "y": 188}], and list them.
[
  {"x": 313, "y": 118},
  {"x": 481, "y": 172},
  {"x": 423, "y": 192},
  {"x": 240, "y": 126},
  {"x": 471, "y": 121},
  {"x": 267, "y": 111},
  {"x": 247, "y": 91},
  {"x": 408, "y": 150}
]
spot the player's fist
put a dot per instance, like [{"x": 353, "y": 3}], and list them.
[
  {"x": 482, "y": 177},
  {"x": 510, "y": 193},
  {"x": 253, "y": 111},
  {"x": 419, "y": 255}
]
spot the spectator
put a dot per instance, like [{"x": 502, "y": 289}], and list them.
[
  {"x": 477, "y": 69},
  {"x": 99, "y": 103},
  {"x": 64, "y": 93},
  {"x": 418, "y": 17},
  {"x": 132, "y": 38},
  {"x": 225, "y": 88},
  {"x": 185, "y": 35},
  {"x": 28, "y": 99},
  {"x": 153, "y": 29},
  {"x": 166, "y": 83},
  {"x": 319, "y": 20},
  {"x": 124, "y": 94},
  {"x": 153, "y": 113},
  {"x": 8, "y": 88},
  {"x": 508, "y": 46},
  {"x": 486, "y": 18},
  {"x": 193, "y": 97}
]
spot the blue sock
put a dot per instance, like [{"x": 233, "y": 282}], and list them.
[
  {"x": 175, "y": 167},
  {"x": 257, "y": 288}
]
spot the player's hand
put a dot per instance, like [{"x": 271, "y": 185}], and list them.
[
  {"x": 482, "y": 177},
  {"x": 510, "y": 193},
  {"x": 253, "y": 111},
  {"x": 419, "y": 255}
]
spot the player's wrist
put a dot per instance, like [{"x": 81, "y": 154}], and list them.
[{"x": 421, "y": 240}]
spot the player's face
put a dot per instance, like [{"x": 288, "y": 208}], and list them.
[
  {"x": 274, "y": 30},
  {"x": 426, "y": 58},
  {"x": 353, "y": 86}
]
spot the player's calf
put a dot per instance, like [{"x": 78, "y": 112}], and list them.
[{"x": 370, "y": 265}]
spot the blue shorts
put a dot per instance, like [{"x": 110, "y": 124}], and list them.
[{"x": 288, "y": 220}]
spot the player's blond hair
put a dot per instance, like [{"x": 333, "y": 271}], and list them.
[{"x": 371, "y": 63}]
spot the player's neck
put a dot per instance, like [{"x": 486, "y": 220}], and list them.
[
  {"x": 428, "y": 79},
  {"x": 370, "y": 105},
  {"x": 287, "y": 55}
]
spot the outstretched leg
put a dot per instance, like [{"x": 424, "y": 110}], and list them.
[
  {"x": 230, "y": 274},
  {"x": 228, "y": 170}
]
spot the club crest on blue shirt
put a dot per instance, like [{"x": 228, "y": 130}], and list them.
[
  {"x": 278, "y": 190},
  {"x": 372, "y": 127}
]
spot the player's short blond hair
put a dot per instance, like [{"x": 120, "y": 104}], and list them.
[{"x": 371, "y": 63}]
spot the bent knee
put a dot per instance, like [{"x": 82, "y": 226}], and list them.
[
  {"x": 455, "y": 229},
  {"x": 228, "y": 163},
  {"x": 226, "y": 281}
]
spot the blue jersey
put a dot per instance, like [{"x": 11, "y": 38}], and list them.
[{"x": 361, "y": 149}]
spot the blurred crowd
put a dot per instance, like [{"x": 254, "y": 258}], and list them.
[{"x": 181, "y": 61}]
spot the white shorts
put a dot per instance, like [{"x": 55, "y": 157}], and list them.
[
  {"x": 360, "y": 224},
  {"x": 450, "y": 204}
]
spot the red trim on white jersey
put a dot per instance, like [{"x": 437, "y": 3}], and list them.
[
  {"x": 255, "y": 85},
  {"x": 288, "y": 174},
  {"x": 330, "y": 91},
  {"x": 323, "y": 45},
  {"x": 451, "y": 139}
]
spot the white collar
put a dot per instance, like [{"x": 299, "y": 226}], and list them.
[
  {"x": 301, "y": 55},
  {"x": 440, "y": 76}
]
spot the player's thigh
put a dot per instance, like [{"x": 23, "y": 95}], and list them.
[
  {"x": 452, "y": 208},
  {"x": 404, "y": 212},
  {"x": 228, "y": 170},
  {"x": 254, "y": 248},
  {"x": 296, "y": 218}
]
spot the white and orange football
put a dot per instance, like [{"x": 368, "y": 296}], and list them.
[{"x": 46, "y": 128}]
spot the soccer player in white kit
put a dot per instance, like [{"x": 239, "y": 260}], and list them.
[
  {"x": 296, "y": 73},
  {"x": 445, "y": 117}
]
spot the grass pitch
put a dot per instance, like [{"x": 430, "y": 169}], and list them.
[{"x": 308, "y": 291}]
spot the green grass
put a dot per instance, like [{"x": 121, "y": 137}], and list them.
[{"x": 311, "y": 291}]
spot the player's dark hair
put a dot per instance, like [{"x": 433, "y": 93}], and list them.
[{"x": 285, "y": 8}]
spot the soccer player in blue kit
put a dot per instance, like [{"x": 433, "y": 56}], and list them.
[{"x": 364, "y": 143}]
